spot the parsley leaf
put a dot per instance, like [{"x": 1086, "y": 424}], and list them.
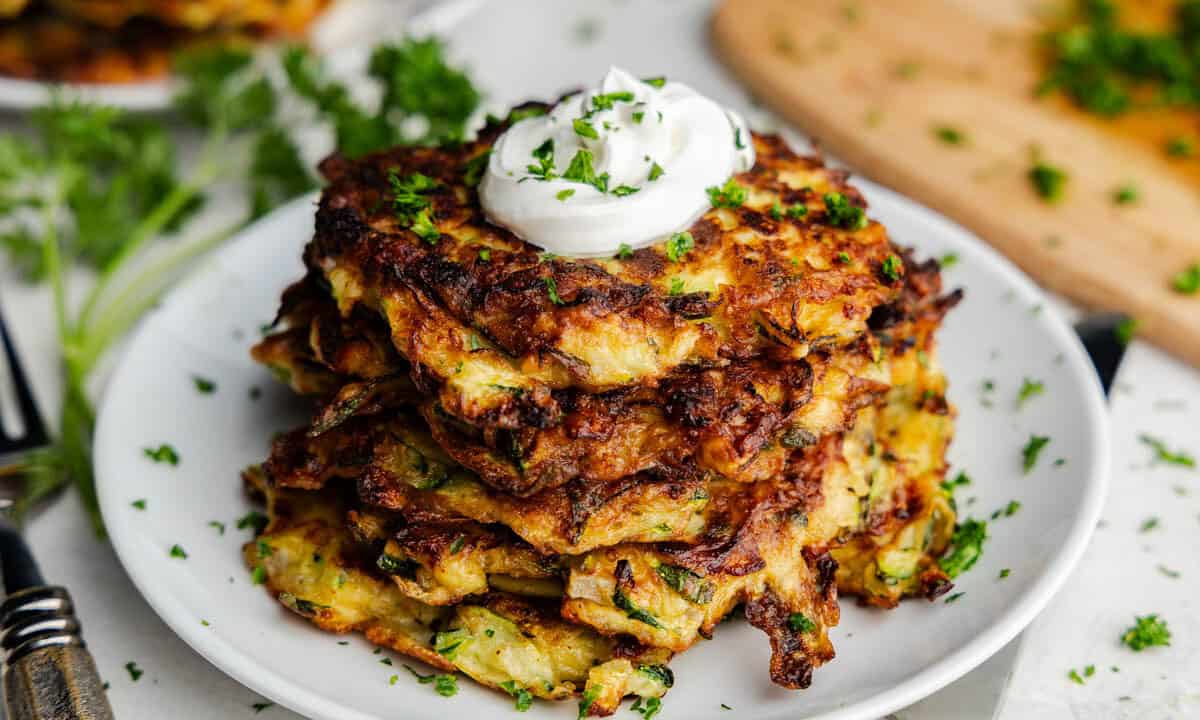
[
  {"x": 1147, "y": 631},
  {"x": 679, "y": 245},
  {"x": 1031, "y": 451},
  {"x": 1048, "y": 181},
  {"x": 839, "y": 212},
  {"x": 1029, "y": 389},
  {"x": 729, "y": 195},
  {"x": 162, "y": 454},
  {"x": 799, "y": 623},
  {"x": 966, "y": 547},
  {"x": 1163, "y": 454},
  {"x": 581, "y": 170},
  {"x": 1187, "y": 281},
  {"x": 552, "y": 290}
]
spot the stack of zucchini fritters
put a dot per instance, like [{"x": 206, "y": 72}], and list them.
[{"x": 553, "y": 474}]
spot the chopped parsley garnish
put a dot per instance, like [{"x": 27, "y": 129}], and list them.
[
  {"x": 1187, "y": 281},
  {"x": 1148, "y": 524},
  {"x": 264, "y": 549},
  {"x": 204, "y": 386},
  {"x": 218, "y": 526},
  {"x": 799, "y": 623},
  {"x": 1173, "y": 574},
  {"x": 839, "y": 212},
  {"x": 552, "y": 290},
  {"x": 777, "y": 211},
  {"x": 523, "y": 698},
  {"x": 259, "y": 575},
  {"x": 444, "y": 684},
  {"x": 544, "y": 154},
  {"x": 656, "y": 82},
  {"x": 624, "y": 190},
  {"x": 624, "y": 251},
  {"x": 1075, "y": 677},
  {"x": 656, "y": 171},
  {"x": 891, "y": 268},
  {"x": 1029, "y": 389},
  {"x": 676, "y": 286},
  {"x": 639, "y": 116},
  {"x": 797, "y": 211},
  {"x": 139, "y": 504},
  {"x": 729, "y": 195},
  {"x": 966, "y": 546},
  {"x": 1125, "y": 195},
  {"x": 1008, "y": 511},
  {"x": 1163, "y": 454},
  {"x": 134, "y": 671},
  {"x": 948, "y": 260},
  {"x": 583, "y": 128},
  {"x": 457, "y": 545},
  {"x": 954, "y": 597},
  {"x": 260, "y": 706},
  {"x": 1005, "y": 572},
  {"x": 253, "y": 519},
  {"x": 1048, "y": 181},
  {"x": 1148, "y": 631},
  {"x": 1031, "y": 451},
  {"x": 844, "y": 258},
  {"x": 1125, "y": 330},
  {"x": 582, "y": 171},
  {"x": 605, "y": 101},
  {"x": 162, "y": 454},
  {"x": 564, "y": 194},
  {"x": 737, "y": 139},
  {"x": 485, "y": 255},
  {"x": 950, "y": 135},
  {"x": 410, "y": 194},
  {"x": 679, "y": 245},
  {"x": 178, "y": 552},
  {"x": 725, "y": 707}
]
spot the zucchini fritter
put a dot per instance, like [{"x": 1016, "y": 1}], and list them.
[
  {"x": 472, "y": 314},
  {"x": 310, "y": 562}
]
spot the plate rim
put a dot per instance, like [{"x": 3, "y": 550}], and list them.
[{"x": 278, "y": 687}]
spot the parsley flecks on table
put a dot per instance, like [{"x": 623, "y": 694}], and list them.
[
  {"x": 1164, "y": 455},
  {"x": 1029, "y": 389},
  {"x": 1031, "y": 451},
  {"x": 162, "y": 454},
  {"x": 204, "y": 386},
  {"x": 1147, "y": 631},
  {"x": 135, "y": 672}
]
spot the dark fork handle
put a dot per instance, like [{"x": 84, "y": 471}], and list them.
[
  {"x": 34, "y": 435},
  {"x": 48, "y": 672}
]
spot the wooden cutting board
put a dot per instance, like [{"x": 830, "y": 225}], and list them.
[{"x": 873, "y": 80}]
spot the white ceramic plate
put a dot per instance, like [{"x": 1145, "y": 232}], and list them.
[
  {"x": 886, "y": 660},
  {"x": 343, "y": 35}
]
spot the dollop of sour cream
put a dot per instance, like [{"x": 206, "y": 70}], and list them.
[{"x": 625, "y": 164}]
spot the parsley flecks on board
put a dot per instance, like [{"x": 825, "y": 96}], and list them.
[
  {"x": 1049, "y": 181},
  {"x": 1109, "y": 69},
  {"x": 1147, "y": 631},
  {"x": 1187, "y": 281},
  {"x": 1031, "y": 451},
  {"x": 950, "y": 135}
]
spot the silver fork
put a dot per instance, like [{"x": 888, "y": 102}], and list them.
[{"x": 21, "y": 427}]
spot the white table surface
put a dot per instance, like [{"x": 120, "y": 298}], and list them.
[{"x": 1120, "y": 576}]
